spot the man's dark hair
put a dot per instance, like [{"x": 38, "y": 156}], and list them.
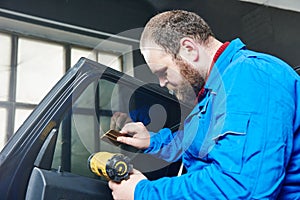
[{"x": 168, "y": 28}]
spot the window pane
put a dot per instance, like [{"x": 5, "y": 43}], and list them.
[
  {"x": 5, "y": 52},
  {"x": 21, "y": 115},
  {"x": 77, "y": 53},
  {"x": 40, "y": 66},
  {"x": 3, "y": 123},
  {"x": 105, "y": 105},
  {"x": 111, "y": 60},
  {"x": 89, "y": 119}
]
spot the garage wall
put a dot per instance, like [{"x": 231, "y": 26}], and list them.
[
  {"x": 112, "y": 16},
  {"x": 263, "y": 28}
]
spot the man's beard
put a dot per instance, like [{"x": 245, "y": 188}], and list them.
[{"x": 188, "y": 91}]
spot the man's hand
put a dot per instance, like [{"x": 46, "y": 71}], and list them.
[
  {"x": 140, "y": 135},
  {"x": 118, "y": 120},
  {"x": 125, "y": 189}
]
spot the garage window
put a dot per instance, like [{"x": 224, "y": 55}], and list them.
[{"x": 33, "y": 59}]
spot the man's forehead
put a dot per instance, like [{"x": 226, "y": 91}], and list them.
[
  {"x": 152, "y": 53},
  {"x": 154, "y": 57},
  {"x": 152, "y": 49}
]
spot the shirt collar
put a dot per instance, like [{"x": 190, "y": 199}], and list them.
[{"x": 222, "y": 63}]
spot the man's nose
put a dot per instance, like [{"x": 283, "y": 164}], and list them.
[{"x": 163, "y": 82}]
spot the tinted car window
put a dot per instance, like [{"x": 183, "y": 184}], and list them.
[{"x": 90, "y": 117}]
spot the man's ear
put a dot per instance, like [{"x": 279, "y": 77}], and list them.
[{"x": 189, "y": 49}]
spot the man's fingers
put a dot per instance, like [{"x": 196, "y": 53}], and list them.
[
  {"x": 126, "y": 140},
  {"x": 118, "y": 120},
  {"x": 135, "y": 171},
  {"x": 126, "y": 129},
  {"x": 140, "y": 135},
  {"x": 140, "y": 143},
  {"x": 111, "y": 185},
  {"x": 112, "y": 124},
  {"x": 132, "y": 127}
]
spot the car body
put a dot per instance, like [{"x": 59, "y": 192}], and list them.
[{"x": 47, "y": 157}]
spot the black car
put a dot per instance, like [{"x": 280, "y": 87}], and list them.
[{"x": 47, "y": 157}]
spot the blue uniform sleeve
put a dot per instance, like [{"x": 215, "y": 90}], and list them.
[{"x": 166, "y": 145}]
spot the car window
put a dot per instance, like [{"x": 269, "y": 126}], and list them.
[
  {"x": 91, "y": 115},
  {"x": 81, "y": 128}
]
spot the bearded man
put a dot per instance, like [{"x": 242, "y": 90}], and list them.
[{"x": 241, "y": 140}]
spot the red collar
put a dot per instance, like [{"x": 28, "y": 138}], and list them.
[
  {"x": 215, "y": 58},
  {"x": 219, "y": 52}
]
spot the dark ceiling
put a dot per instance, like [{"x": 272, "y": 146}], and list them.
[{"x": 262, "y": 28}]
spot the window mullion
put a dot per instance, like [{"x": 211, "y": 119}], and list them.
[
  {"x": 12, "y": 88},
  {"x": 67, "y": 57}
]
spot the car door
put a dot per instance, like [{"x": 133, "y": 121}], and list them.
[{"x": 47, "y": 157}]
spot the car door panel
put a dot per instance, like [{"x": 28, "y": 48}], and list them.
[{"x": 55, "y": 185}]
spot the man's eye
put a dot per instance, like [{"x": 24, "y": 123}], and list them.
[{"x": 162, "y": 74}]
